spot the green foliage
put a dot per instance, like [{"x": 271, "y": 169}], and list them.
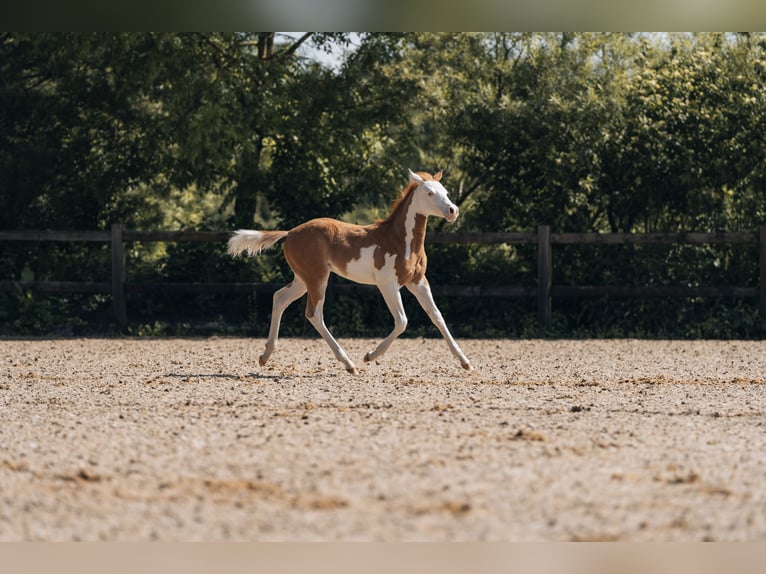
[
  {"x": 605, "y": 132},
  {"x": 24, "y": 312},
  {"x": 614, "y": 132},
  {"x": 660, "y": 265}
]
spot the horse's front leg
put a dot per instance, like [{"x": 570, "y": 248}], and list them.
[
  {"x": 393, "y": 298},
  {"x": 422, "y": 292}
]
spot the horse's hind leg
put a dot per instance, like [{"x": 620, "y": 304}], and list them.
[
  {"x": 315, "y": 315},
  {"x": 282, "y": 300}
]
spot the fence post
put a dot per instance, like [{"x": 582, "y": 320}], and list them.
[
  {"x": 762, "y": 269},
  {"x": 544, "y": 275},
  {"x": 118, "y": 277}
]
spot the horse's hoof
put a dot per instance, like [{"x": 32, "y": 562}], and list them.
[
  {"x": 262, "y": 360},
  {"x": 367, "y": 358},
  {"x": 353, "y": 370},
  {"x": 467, "y": 366}
]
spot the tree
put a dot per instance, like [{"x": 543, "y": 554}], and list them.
[
  {"x": 336, "y": 138},
  {"x": 694, "y": 133},
  {"x": 87, "y": 119},
  {"x": 606, "y": 132},
  {"x": 99, "y": 127}
]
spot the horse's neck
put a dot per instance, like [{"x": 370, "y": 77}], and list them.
[{"x": 409, "y": 225}]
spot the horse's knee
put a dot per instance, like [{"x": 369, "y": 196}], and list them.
[{"x": 436, "y": 316}]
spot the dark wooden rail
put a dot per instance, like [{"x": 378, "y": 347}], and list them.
[{"x": 544, "y": 291}]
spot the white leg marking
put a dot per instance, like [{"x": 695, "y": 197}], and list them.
[
  {"x": 317, "y": 319},
  {"x": 393, "y": 298},
  {"x": 282, "y": 300},
  {"x": 422, "y": 292}
]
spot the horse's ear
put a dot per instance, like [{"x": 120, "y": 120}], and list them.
[
  {"x": 438, "y": 175},
  {"x": 415, "y": 177}
]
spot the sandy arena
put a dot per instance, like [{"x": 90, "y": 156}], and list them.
[{"x": 189, "y": 439}]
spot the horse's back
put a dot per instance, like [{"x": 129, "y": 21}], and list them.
[
  {"x": 336, "y": 233},
  {"x": 321, "y": 245}
]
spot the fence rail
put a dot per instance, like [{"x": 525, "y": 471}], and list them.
[{"x": 544, "y": 290}]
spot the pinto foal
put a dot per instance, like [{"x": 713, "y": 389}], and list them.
[{"x": 388, "y": 253}]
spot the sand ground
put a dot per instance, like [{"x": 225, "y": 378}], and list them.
[{"x": 189, "y": 439}]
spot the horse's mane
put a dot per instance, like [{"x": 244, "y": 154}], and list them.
[
  {"x": 400, "y": 200},
  {"x": 403, "y": 196}
]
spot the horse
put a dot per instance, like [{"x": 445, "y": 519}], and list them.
[{"x": 388, "y": 253}]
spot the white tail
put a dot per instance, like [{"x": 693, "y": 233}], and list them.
[{"x": 253, "y": 242}]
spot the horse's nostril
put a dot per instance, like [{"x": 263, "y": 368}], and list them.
[{"x": 451, "y": 210}]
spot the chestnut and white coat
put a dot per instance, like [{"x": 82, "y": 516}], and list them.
[{"x": 389, "y": 253}]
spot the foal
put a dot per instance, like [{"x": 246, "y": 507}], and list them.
[{"x": 388, "y": 253}]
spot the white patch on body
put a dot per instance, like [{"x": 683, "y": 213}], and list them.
[
  {"x": 409, "y": 230},
  {"x": 362, "y": 269}
]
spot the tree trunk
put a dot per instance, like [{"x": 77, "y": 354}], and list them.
[
  {"x": 249, "y": 184},
  {"x": 265, "y": 45}
]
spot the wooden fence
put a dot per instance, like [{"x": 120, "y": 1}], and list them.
[{"x": 544, "y": 290}]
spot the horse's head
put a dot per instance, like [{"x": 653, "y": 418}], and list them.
[{"x": 431, "y": 197}]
